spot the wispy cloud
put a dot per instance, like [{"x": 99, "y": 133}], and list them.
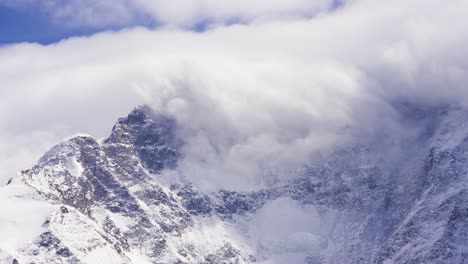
[{"x": 184, "y": 13}]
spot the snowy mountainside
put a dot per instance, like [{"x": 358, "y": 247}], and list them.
[{"x": 106, "y": 202}]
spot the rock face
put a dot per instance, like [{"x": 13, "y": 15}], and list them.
[
  {"x": 109, "y": 195},
  {"x": 112, "y": 205}
]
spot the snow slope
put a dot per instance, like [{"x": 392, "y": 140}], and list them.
[{"x": 121, "y": 200}]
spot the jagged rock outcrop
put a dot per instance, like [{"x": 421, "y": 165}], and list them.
[
  {"x": 111, "y": 188},
  {"x": 111, "y": 204}
]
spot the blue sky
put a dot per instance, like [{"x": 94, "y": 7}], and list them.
[
  {"x": 30, "y": 26},
  {"x": 32, "y": 21}
]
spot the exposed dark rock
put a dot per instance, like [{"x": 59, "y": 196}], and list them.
[{"x": 410, "y": 210}]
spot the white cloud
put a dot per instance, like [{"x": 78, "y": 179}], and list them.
[
  {"x": 183, "y": 12},
  {"x": 267, "y": 94},
  {"x": 286, "y": 231}
]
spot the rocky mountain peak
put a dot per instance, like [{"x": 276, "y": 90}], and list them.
[
  {"x": 111, "y": 188},
  {"x": 107, "y": 198},
  {"x": 151, "y": 135},
  {"x": 143, "y": 126}
]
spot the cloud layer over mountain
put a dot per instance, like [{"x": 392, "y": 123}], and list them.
[{"x": 267, "y": 94}]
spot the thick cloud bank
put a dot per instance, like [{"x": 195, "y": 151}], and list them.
[{"x": 251, "y": 100}]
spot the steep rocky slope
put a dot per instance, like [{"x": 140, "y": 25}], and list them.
[{"x": 96, "y": 202}]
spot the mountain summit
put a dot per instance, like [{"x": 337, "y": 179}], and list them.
[{"x": 107, "y": 202}]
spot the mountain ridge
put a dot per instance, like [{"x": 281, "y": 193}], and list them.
[{"x": 105, "y": 201}]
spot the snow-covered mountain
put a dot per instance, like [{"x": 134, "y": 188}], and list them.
[{"x": 119, "y": 200}]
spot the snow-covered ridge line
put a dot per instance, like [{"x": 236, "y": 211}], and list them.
[{"x": 111, "y": 201}]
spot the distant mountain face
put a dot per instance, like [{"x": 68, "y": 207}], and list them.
[{"x": 106, "y": 202}]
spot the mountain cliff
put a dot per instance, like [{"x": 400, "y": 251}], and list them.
[{"x": 107, "y": 201}]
